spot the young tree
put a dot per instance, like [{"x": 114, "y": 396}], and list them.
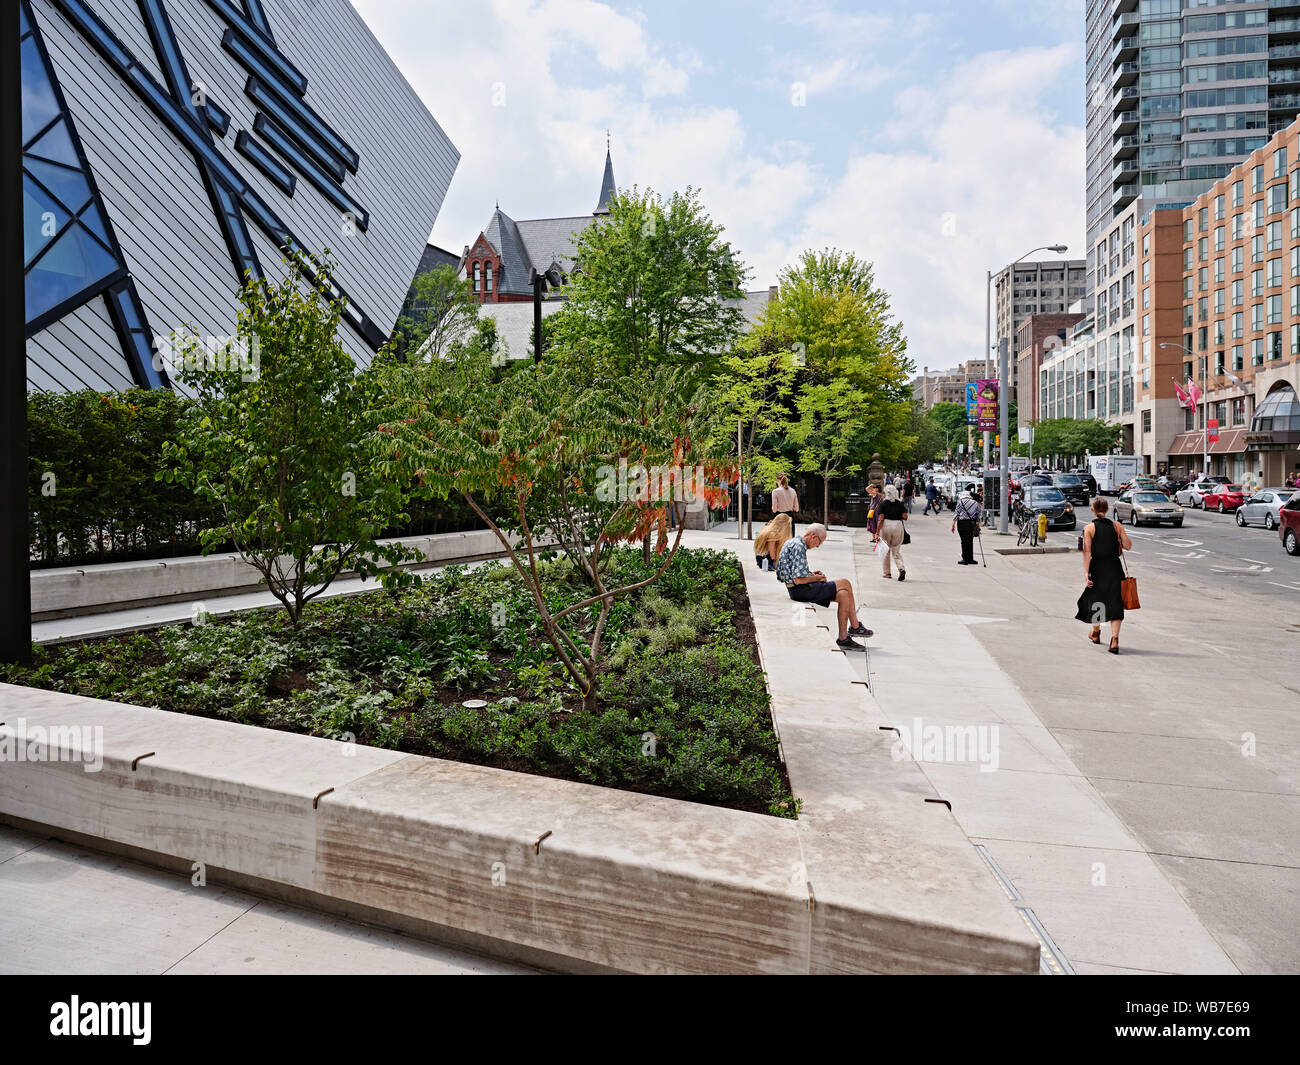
[
  {"x": 548, "y": 442},
  {"x": 279, "y": 439},
  {"x": 828, "y": 431},
  {"x": 439, "y": 310}
]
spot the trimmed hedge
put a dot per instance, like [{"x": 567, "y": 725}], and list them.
[{"x": 92, "y": 492}]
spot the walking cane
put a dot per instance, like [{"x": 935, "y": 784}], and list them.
[{"x": 981, "y": 540}]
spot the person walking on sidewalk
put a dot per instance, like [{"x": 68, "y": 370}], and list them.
[
  {"x": 785, "y": 500},
  {"x": 806, "y": 586},
  {"x": 1103, "y": 544},
  {"x": 873, "y": 511},
  {"x": 931, "y": 498},
  {"x": 893, "y": 513},
  {"x": 966, "y": 523},
  {"x": 909, "y": 492}
]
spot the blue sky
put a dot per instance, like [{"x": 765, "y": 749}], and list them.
[{"x": 937, "y": 139}]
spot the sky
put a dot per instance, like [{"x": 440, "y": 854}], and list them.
[{"x": 937, "y": 139}]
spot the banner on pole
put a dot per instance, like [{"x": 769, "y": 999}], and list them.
[
  {"x": 986, "y": 405},
  {"x": 1212, "y": 425},
  {"x": 970, "y": 404}
]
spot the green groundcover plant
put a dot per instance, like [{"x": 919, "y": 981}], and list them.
[{"x": 683, "y": 712}]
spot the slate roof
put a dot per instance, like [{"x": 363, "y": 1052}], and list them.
[{"x": 608, "y": 190}]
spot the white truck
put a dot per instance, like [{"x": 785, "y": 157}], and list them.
[{"x": 1111, "y": 471}]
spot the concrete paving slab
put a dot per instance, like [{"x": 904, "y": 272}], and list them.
[
  {"x": 274, "y": 938},
  {"x": 1244, "y": 906},
  {"x": 1234, "y": 826},
  {"x": 13, "y": 842},
  {"x": 1110, "y": 907}
]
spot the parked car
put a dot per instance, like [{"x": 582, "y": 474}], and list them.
[
  {"x": 1224, "y": 498},
  {"x": 1145, "y": 507},
  {"x": 1190, "y": 495},
  {"x": 1050, "y": 500},
  {"x": 1289, "y": 525},
  {"x": 1073, "y": 487},
  {"x": 1264, "y": 507}
]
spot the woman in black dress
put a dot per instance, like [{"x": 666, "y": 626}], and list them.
[{"x": 1103, "y": 542}]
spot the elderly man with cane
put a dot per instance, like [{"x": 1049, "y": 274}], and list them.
[{"x": 966, "y": 523}]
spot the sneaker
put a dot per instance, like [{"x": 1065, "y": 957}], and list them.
[
  {"x": 849, "y": 644},
  {"x": 860, "y": 630},
  {"x": 902, "y": 576}
]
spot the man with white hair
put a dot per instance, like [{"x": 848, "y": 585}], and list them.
[{"x": 808, "y": 586}]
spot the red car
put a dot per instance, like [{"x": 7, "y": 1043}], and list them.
[
  {"x": 1224, "y": 498},
  {"x": 1289, "y": 525}
]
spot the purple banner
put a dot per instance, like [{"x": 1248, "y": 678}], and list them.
[{"x": 986, "y": 405}]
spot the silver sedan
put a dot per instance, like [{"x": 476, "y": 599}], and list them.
[
  {"x": 1263, "y": 507},
  {"x": 1192, "y": 494},
  {"x": 1143, "y": 507}
]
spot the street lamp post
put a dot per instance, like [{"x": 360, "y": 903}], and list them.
[{"x": 1058, "y": 249}]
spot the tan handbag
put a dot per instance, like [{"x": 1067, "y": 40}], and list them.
[{"x": 1128, "y": 588}]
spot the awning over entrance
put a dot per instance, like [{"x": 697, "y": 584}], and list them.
[{"x": 1230, "y": 442}]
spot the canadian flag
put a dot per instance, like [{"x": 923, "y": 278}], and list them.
[
  {"x": 1184, "y": 398},
  {"x": 1193, "y": 393}
]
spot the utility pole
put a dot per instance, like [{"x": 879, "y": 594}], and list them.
[
  {"x": 1004, "y": 452},
  {"x": 988, "y": 344},
  {"x": 15, "y": 583}
]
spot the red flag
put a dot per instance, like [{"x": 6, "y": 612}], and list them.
[
  {"x": 1184, "y": 400},
  {"x": 1193, "y": 393}
]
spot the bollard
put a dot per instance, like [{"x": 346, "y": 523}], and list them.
[{"x": 1042, "y": 527}]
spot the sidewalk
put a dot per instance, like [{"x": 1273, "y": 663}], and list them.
[
  {"x": 1103, "y": 895},
  {"x": 66, "y": 909}
]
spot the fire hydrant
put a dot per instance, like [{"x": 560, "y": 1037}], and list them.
[{"x": 1042, "y": 526}]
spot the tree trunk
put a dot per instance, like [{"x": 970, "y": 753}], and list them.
[{"x": 826, "y": 501}]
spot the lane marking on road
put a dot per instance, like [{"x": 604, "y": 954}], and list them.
[
  {"x": 1238, "y": 569},
  {"x": 1254, "y": 560},
  {"x": 1288, "y": 587}
]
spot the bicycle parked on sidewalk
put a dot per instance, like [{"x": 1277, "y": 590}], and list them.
[{"x": 1027, "y": 521}]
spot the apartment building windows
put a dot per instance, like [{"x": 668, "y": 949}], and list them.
[
  {"x": 1218, "y": 238},
  {"x": 1236, "y": 357},
  {"x": 1203, "y": 309},
  {"x": 1257, "y": 179},
  {"x": 1277, "y": 198},
  {"x": 1187, "y": 231},
  {"x": 1295, "y": 221},
  {"x": 1146, "y": 325},
  {"x": 1295, "y": 184},
  {"x": 1275, "y": 310},
  {"x": 1275, "y": 236},
  {"x": 1236, "y": 325},
  {"x": 1188, "y": 255},
  {"x": 1236, "y": 227},
  {"x": 1218, "y": 333},
  {"x": 1257, "y": 282},
  {"x": 1256, "y": 317},
  {"x": 1146, "y": 299},
  {"x": 1238, "y": 297},
  {"x": 1256, "y": 248},
  {"x": 1218, "y": 271},
  {"x": 1203, "y": 249},
  {"x": 1295, "y": 301},
  {"x": 1218, "y": 301},
  {"x": 1238, "y": 193},
  {"x": 1274, "y": 273},
  {"x": 1218, "y": 208},
  {"x": 1279, "y": 163},
  {"x": 1238, "y": 406},
  {"x": 1260, "y": 214},
  {"x": 1202, "y": 337},
  {"x": 1274, "y": 346},
  {"x": 1257, "y": 351},
  {"x": 1203, "y": 278},
  {"x": 1238, "y": 260},
  {"x": 1295, "y": 339},
  {"x": 1295, "y": 261}
]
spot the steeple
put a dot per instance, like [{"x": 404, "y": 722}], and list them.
[{"x": 608, "y": 190}]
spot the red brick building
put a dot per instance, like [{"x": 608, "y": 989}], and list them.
[
  {"x": 1038, "y": 333},
  {"x": 503, "y": 255}
]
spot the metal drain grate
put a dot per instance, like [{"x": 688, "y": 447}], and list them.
[{"x": 1051, "y": 962}]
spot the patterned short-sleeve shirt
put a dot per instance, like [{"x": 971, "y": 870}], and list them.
[{"x": 792, "y": 562}]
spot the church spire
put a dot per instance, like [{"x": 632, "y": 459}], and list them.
[{"x": 608, "y": 190}]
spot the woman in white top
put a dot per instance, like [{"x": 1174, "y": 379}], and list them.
[{"x": 785, "y": 500}]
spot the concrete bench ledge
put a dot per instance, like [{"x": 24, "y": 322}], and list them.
[
  {"x": 1042, "y": 549},
  {"x": 67, "y": 591}
]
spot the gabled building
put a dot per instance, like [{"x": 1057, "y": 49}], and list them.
[{"x": 502, "y": 258}]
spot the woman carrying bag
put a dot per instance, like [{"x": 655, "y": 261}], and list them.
[
  {"x": 1103, "y": 597},
  {"x": 893, "y": 514}
]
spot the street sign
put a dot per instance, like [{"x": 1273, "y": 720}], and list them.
[{"x": 1026, "y": 434}]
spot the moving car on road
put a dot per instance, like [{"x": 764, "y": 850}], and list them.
[
  {"x": 1051, "y": 501},
  {"x": 1224, "y": 498},
  {"x": 1190, "y": 495},
  {"x": 1145, "y": 507},
  {"x": 1263, "y": 507},
  {"x": 1073, "y": 487},
  {"x": 1289, "y": 525}
]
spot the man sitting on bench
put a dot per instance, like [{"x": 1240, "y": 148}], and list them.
[{"x": 806, "y": 586}]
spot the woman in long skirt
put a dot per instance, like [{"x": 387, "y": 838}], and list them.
[{"x": 1103, "y": 543}]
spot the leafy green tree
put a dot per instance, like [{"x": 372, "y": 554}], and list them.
[
  {"x": 655, "y": 283},
  {"x": 828, "y": 431},
  {"x": 928, "y": 435},
  {"x": 439, "y": 310},
  {"x": 547, "y": 442},
  {"x": 279, "y": 441},
  {"x": 949, "y": 417}
]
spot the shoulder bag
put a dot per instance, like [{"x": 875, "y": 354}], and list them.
[{"x": 1128, "y": 588}]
